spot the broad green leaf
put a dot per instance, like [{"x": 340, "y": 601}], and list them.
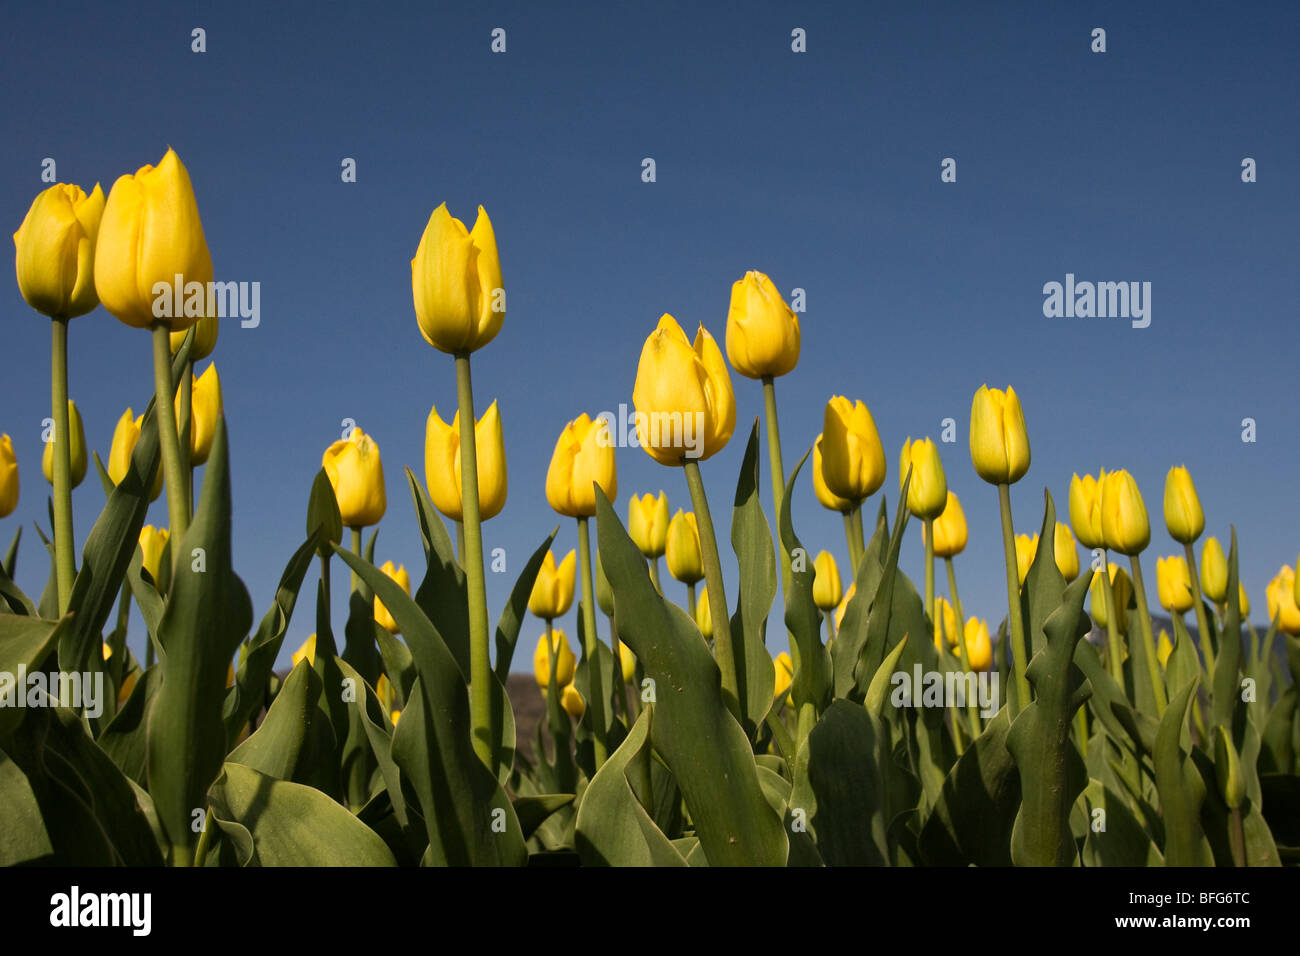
[
  {"x": 813, "y": 673},
  {"x": 442, "y": 595},
  {"x": 22, "y": 838},
  {"x": 751, "y": 539},
  {"x": 1115, "y": 836},
  {"x": 1181, "y": 789}
]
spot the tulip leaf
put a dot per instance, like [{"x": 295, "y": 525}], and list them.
[
  {"x": 1183, "y": 665},
  {"x": 10, "y": 564},
  {"x": 324, "y": 521},
  {"x": 1127, "y": 727},
  {"x": 701, "y": 742},
  {"x": 10, "y": 594},
  {"x": 1044, "y": 584},
  {"x": 281, "y": 747},
  {"x": 442, "y": 595},
  {"x": 1227, "y": 664},
  {"x": 26, "y": 643},
  {"x": 813, "y": 675},
  {"x": 1115, "y": 836},
  {"x": 1181, "y": 789},
  {"x": 23, "y": 838},
  {"x": 125, "y": 739},
  {"x": 278, "y": 823},
  {"x": 208, "y": 613},
  {"x": 1277, "y": 742},
  {"x": 878, "y": 691},
  {"x": 512, "y": 615}
]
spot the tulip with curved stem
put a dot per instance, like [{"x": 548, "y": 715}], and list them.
[
  {"x": 1148, "y": 638},
  {"x": 590, "y": 645},
  {"x": 65, "y": 560},
  {"x": 714, "y": 587},
  {"x": 1202, "y": 622},
  {"x": 165, "y": 418}
]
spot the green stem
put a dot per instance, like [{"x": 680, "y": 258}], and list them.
[
  {"x": 590, "y": 646},
  {"x": 1014, "y": 615},
  {"x": 853, "y": 532},
  {"x": 929, "y": 573},
  {"x": 690, "y": 599},
  {"x": 620, "y": 685},
  {"x": 460, "y": 541},
  {"x": 778, "y": 472},
  {"x": 557, "y": 719},
  {"x": 1202, "y": 622},
  {"x": 356, "y": 549},
  {"x": 480, "y": 665},
  {"x": 165, "y": 419},
  {"x": 1148, "y": 639},
  {"x": 1112, "y": 626},
  {"x": 717, "y": 592},
  {"x": 830, "y": 625},
  {"x": 1237, "y": 837},
  {"x": 65, "y": 568},
  {"x": 972, "y": 707},
  {"x": 205, "y": 838},
  {"x": 325, "y": 580},
  {"x": 185, "y": 432},
  {"x": 654, "y": 574}
]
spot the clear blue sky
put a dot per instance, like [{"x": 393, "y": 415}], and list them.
[{"x": 821, "y": 169}]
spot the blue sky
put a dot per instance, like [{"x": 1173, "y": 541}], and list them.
[{"x": 821, "y": 169}]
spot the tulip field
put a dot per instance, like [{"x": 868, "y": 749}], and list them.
[{"x": 896, "y": 730}]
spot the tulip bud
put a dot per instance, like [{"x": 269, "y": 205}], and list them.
[
  {"x": 552, "y": 593},
  {"x": 384, "y": 691},
  {"x": 1026, "y": 548},
  {"x": 949, "y": 529},
  {"x": 357, "y": 475},
  {"x": 55, "y": 244},
  {"x": 565, "y": 663},
  {"x": 827, "y": 589},
  {"x": 1085, "y": 509},
  {"x": 573, "y": 703},
  {"x": 152, "y": 542},
  {"x": 604, "y": 593},
  {"x": 1164, "y": 648},
  {"x": 826, "y": 497},
  {"x": 999, "y": 444},
  {"x": 685, "y": 562},
  {"x": 945, "y": 624},
  {"x": 1066, "y": 552},
  {"x": 584, "y": 454},
  {"x": 844, "y": 604},
  {"x": 1282, "y": 604},
  {"x": 395, "y": 716},
  {"x": 647, "y": 523},
  {"x": 853, "y": 459},
  {"x": 1227, "y": 769},
  {"x": 703, "y": 616},
  {"x": 306, "y": 652},
  {"x": 205, "y": 407},
  {"x": 1173, "y": 584},
  {"x": 442, "y": 463},
  {"x": 762, "y": 331},
  {"x": 8, "y": 477},
  {"x": 627, "y": 662},
  {"x": 456, "y": 283},
  {"x": 1124, "y": 523},
  {"x": 1122, "y": 585},
  {"x": 205, "y": 339},
  {"x": 125, "y": 436},
  {"x": 400, "y": 575},
  {"x": 150, "y": 234},
  {"x": 783, "y": 668},
  {"x": 78, "y": 448},
  {"x": 1214, "y": 571},
  {"x": 685, "y": 407},
  {"x": 1243, "y": 601},
  {"x": 1183, "y": 514},
  {"x": 927, "y": 492},
  {"x": 979, "y": 649}
]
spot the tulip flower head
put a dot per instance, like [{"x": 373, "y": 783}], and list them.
[
  {"x": 306, "y": 652},
  {"x": 827, "y": 589},
  {"x": 205, "y": 407},
  {"x": 852, "y": 457},
  {"x": 442, "y": 463},
  {"x": 1174, "y": 584},
  {"x": 647, "y": 523},
  {"x": 1183, "y": 515},
  {"x": 627, "y": 662},
  {"x": 8, "y": 477},
  {"x": 949, "y": 529},
  {"x": 403, "y": 578},
  {"x": 152, "y": 542},
  {"x": 682, "y": 548},
  {"x": 1124, "y": 523},
  {"x": 55, "y": 251},
  {"x": 1282, "y": 604},
  {"x": 77, "y": 452},
  {"x": 573, "y": 703},
  {"x": 1085, "y": 509},
  {"x": 762, "y": 331},
  {"x": 783, "y": 670},
  {"x": 979, "y": 649},
  {"x": 205, "y": 339},
  {"x": 552, "y": 593},
  {"x": 125, "y": 436},
  {"x": 1214, "y": 571},
  {"x": 703, "y": 616},
  {"x": 565, "y": 662},
  {"x": 927, "y": 492},
  {"x": 685, "y": 406},
  {"x": 456, "y": 283},
  {"x": 826, "y": 497},
  {"x": 945, "y": 624},
  {"x": 999, "y": 444},
  {"x": 1065, "y": 552},
  {"x": 1164, "y": 648},
  {"x": 583, "y": 458},
  {"x": 357, "y": 475}
]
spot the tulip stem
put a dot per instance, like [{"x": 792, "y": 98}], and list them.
[
  {"x": 620, "y": 685},
  {"x": 830, "y": 624},
  {"x": 1112, "y": 628},
  {"x": 185, "y": 432},
  {"x": 972, "y": 706},
  {"x": 690, "y": 599},
  {"x": 1202, "y": 622},
  {"x": 65, "y": 569},
  {"x": 169, "y": 441},
  {"x": 356, "y": 549},
  {"x": 778, "y": 473},
  {"x": 480, "y": 665},
  {"x": 1014, "y": 615},
  {"x": 654, "y": 575},
  {"x": 929, "y": 572},
  {"x": 1148, "y": 639},
  {"x": 460, "y": 541},
  {"x": 853, "y": 532},
  {"x": 591, "y": 645},
  {"x": 716, "y": 590}
]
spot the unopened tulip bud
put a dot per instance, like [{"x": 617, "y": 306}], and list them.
[
  {"x": 55, "y": 251},
  {"x": 552, "y": 593},
  {"x": 703, "y": 616},
  {"x": 999, "y": 444},
  {"x": 647, "y": 523},
  {"x": 949, "y": 529},
  {"x": 1183, "y": 514},
  {"x": 400, "y": 575},
  {"x": 825, "y": 497},
  {"x": 573, "y": 703},
  {"x": 682, "y": 548},
  {"x": 1085, "y": 510},
  {"x": 125, "y": 437},
  {"x": 927, "y": 492},
  {"x": 1214, "y": 571},
  {"x": 205, "y": 339},
  {"x": 77, "y": 449},
  {"x": 783, "y": 667},
  {"x": 1066, "y": 552},
  {"x": 979, "y": 649},
  {"x": 357, "y": 475},
  {"x": 583, "y": 457},
  {"x": 442, "y": 463},
  {"x": 1124, "y": 521},
  {"x": 685, "y": 406},
  {"x": 152, "y": 542},
  {"x": 456, "y": 283},
  {"x": 853, "y": 458},
  {"x": 1173, "y": 584},
  {"x": 762, "y": 331},
  {"x": 1282, "y": 604},
  {"x": 565, "y": 662},
  {"x": 827, "y": 589},
  {"x": 8, "y": 477}
]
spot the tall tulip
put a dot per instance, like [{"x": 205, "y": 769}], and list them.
[
  {"x": 356, "y": 473},
  {"x": 77, "y": 456},
  {"x": 853, "y": 462},
  {"x": 927, "y": 496},
  {"x": 442, "y": 464},
  {"x": 55, "y": 249},
  {"x": 999, "y": 450},
  {"x": 8, "y": 477},
  {"x": 1174, "y": 584}
]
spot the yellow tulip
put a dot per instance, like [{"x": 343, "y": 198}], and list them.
[
  {"x": 827, "y": 589},
  {"x": 927, "y": 493},
  {"x": 1214, "y": 571},
  {"x": 78, "y": 451},
  {"x": 853, "y": 459},
  {"x": 979, "y": 649},
  {"x": 1173, "y": 584},
  {"x": 682, "y": 548},
  {"x": 703, "y": 616},
  {"x": 1065, "y": 552},
  {"x": 565, "y": 662},
  {"x": 125, "y": 436},
  {"x": 357, "y": 475},
  {"x": 1243, "y": 601},
  {"x": 55, "y": 251},
  {"x": 395, "y": 716},
  {"x": 1122, "y": 585},
  {"x": 384, "y": 691},
  {"x": 128, "y": 685},
  {"x": 306, "y": 652},
  {"x": 762, "y": 331},
  {"x": 150, "y": 234},
  {"x": 685, "y": 406},
  {"x": 627, "y": 662},
  {"x": 647, "y": 523},
  {"x": 442, "y": 463},
  {"x": 949, "y": 529},
  {"x": 1085, "y": 509},
  {"x": 844, "y": 604},
  {"x": 945, "y": 623},
  {"x": 1282, "y": 604},
  {"x": 152, "y": 542},
  {"x": 583, "y": 456},
  {"x": 826, "y": 497},
  {"x": 604, "y": 593},
  {"x": 1164, "y": 648},
  {"x": 1183, "y": 514},
  {"x": 456, "y": 283},
  {"x": 8, "y": 477},
  {"x": 402, "y": 577},
  {"x": 205, "y": 339},
  {"x": 573, "y": 703},
  {"x": 1124, "y": 523},
  {"x": 552, "y": 593},
  {"x": 999, "y": 444},
  {"x": 205, "y": 407},
  {"x": 1026, "y": 549},
  {"x": 783, "y": 667}
]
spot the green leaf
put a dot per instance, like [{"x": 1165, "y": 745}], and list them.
[
  {"x": 1116, "y": 837},
  {"x": 26, "y": 643},
  {"x": 442, "y": 595},
  {"x": 512, "y": 615},
  {"x": 813, "y": 673},
  {"x": 534, "y": 809},
  {"x": 324, "y": 521},
  {"x": 1181, "y": 789},
  {"x": 281, "y": 745},
  {"x": 23, "y": 838}
]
